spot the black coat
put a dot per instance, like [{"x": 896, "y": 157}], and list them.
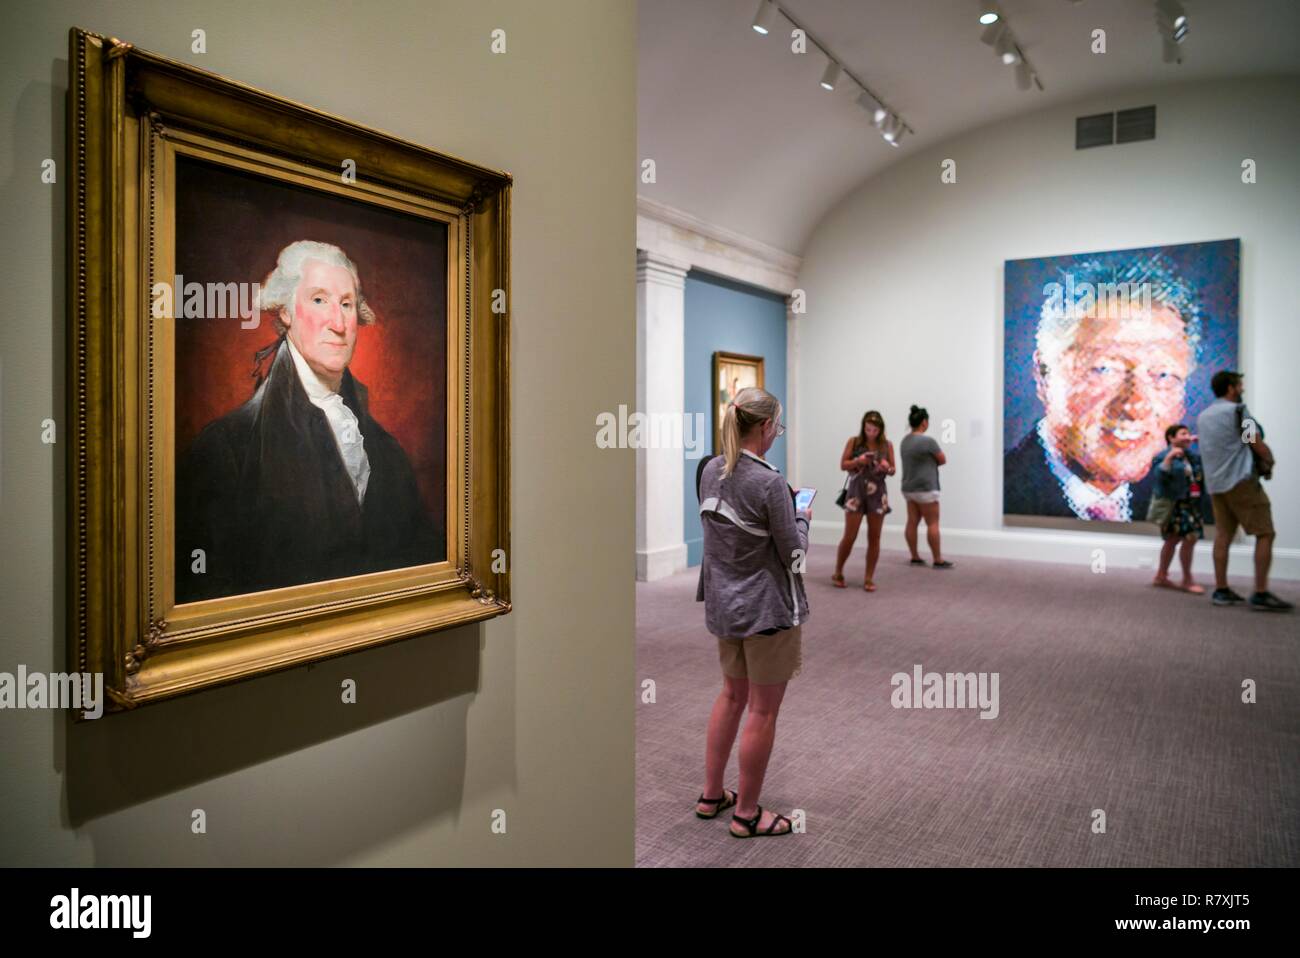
[
  {"x": 1030, "y": 489},
  {"x": 264, "y": 492}
]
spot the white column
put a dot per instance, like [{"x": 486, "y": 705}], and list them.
[{"x": 660, "y": 391}]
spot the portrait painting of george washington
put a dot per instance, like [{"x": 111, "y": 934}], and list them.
[
  {"x": 311, "y": 390},
  {"x": 288, "y": 380}
]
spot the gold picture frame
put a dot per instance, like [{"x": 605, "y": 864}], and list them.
[
  {"x": 131, "y": 114},
  {"x": 727, "y": 367}
]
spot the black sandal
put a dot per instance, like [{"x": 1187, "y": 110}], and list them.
[
  {"x": 751, "y": 825},
  {"x": 917, "y": 562},
  {"x": 945, "y": 564},
  {"x": 725, "y": 801}
]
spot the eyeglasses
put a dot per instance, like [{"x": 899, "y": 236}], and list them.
[{"x": 780, "y": 430}]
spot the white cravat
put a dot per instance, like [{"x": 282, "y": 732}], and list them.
[
  {"x": 342, "y": 420},
  {"x": 1085, "y": 499}
]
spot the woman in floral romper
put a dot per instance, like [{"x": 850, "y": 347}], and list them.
[{"x": 868, "y": 458}]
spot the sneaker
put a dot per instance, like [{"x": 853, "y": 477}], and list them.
[
  {"x": 1268, "y": 602},
  {"x": 1225, "y": 597}
]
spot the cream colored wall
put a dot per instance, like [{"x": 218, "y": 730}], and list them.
[{"x": 531, "y": 713}]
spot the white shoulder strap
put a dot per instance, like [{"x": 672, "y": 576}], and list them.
[{"x": 724, "y": 509}]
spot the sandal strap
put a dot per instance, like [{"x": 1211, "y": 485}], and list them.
[
  {"x": 712, "y": 801},
  {"x": 751, "y": 824},
  {"x": 771, "y": 829}
]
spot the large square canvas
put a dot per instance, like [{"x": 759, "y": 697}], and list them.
[{"x": 1103, "y": 352}]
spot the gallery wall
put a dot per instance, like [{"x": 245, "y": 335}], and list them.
[
  {"x": 904, "y": 289},
  {"x": 529, "y": 715},
  {"x": 734, "y": 318}
]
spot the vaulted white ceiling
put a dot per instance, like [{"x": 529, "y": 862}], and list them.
[{"x": 744, "y": 138}]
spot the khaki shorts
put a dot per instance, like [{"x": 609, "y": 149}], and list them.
[
  {"x": 763, "y": 659},
  {"x": 1245, "y": 504}
]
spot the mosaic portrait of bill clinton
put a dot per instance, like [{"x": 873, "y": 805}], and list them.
[
  {"x": 1105, "y": 351},
  {"x": 310, "y": 445}
]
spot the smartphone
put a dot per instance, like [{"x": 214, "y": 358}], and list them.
[{"x": 803, "y": 498}]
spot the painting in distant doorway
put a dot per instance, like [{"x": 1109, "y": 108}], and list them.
[{"x": 732, "y": 372}]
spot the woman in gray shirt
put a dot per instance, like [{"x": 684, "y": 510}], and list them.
[
  {"x": 921, "y": 458},
  {"x": 751, "y": 584}
]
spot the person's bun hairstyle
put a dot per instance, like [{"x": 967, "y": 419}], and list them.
[{"x": 917, "y": 416}]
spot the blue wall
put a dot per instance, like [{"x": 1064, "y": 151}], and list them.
[{"x": 733, "y": 318}]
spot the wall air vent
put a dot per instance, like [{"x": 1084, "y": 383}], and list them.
[
  {"x": 1126, "y": 126},
  {"x": 1134, "y": 125},
  {"x": 1098, "y": 130}
]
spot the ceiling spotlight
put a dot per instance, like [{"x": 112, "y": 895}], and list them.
[
  {"x": 764, "y": 17},
  {"x": 872, "y": 106},
  {"x": 898, "y": 138},
  {"x": 988, "y": 12},
  {"x": 997, "y": 34},
  {"x": 1171, "y": 21},
  {"x": 1171, "y": 18},
  {"x": 882, "y": 118},
  {"x": 1006, "y": 48}
]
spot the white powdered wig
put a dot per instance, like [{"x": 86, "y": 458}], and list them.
[{"x": 281, "y": 285}]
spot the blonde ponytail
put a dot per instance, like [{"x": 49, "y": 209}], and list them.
[{"x": 750, "y": 407}]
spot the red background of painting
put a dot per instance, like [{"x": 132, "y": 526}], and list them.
[{"x": 231, "y": 226}]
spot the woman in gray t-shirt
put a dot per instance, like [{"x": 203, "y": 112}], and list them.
[{"x": 921, "y": 458}]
